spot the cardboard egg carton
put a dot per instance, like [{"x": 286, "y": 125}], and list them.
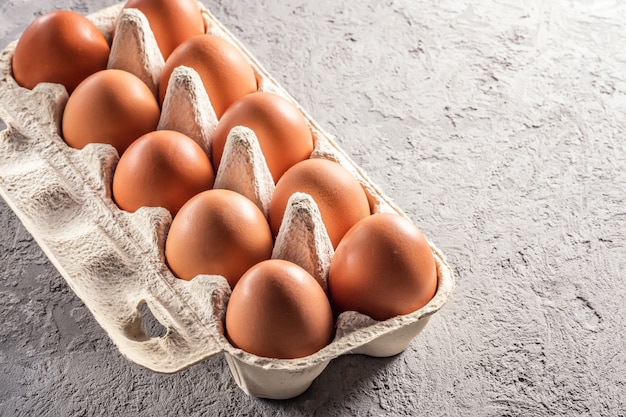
[{"x": 114, "y": 260}]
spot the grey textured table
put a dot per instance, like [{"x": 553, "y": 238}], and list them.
[{"x": 498, "y": 126}]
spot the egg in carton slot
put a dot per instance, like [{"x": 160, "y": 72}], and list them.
[{"x": 114, "y": 260}]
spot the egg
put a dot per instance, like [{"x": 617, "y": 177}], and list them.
[
  {"x": 111, "y": 106},
  {"x": 171, "y": 21},
  {"x": 217, "y": 232},
  {"x": 278, "y": 310},
  {"x": 341, "y": 200},
  {"x": 283, "y": 132},
  {"x": 383, "y": 267},
  {"x": 61, "y": 47},
  {"x": 225, "y": 72},
  {"x": 162, "y": 168}
]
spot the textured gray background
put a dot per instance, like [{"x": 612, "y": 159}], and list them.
[{"x": 497, "y": 125}]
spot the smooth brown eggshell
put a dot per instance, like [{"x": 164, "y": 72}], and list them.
[
  {"x": 341, "y": 200},
  {"x": 61, "y": 47},
  {"x": 283, "y": 133},
  {"x": 217, "y": 232},
  {"x": 278, "y": 310},
  {"x": 171, "y": 21},
  {"x": 163, "y": 168},
  {"x": 111, "y": 106},
  {"x": 225, "y": 72},
  {"x": 383, "y": 267}
]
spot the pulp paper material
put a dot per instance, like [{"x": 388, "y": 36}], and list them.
[{"x": 114, "y": 261}]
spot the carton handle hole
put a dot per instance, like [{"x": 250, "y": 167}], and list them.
[{"x": 150, "y": 324}]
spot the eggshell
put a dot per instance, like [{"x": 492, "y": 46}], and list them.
[
  {"x": 281, "y": 129},
  {"x": 340, "y": 198},
  {"x": 111, "y": 106},
  {"x": 163, "y": 168},
  {"x": 383, "y": 267},
  {"x": 61, "y": 47},
  {"x": 224, "y": 71},
  {"x": 278, "y": 310},
  {"x": 217, "y": 232},
  {"x": 171, "y": 21}
]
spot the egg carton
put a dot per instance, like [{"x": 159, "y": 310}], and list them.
[{"x": 114, "y": 260}]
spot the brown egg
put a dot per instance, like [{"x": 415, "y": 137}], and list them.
[
  {"x": 224, "y": 71},
  {"x": 339, "y": 196},
  {"x": 282, "y": 130},
  {"x": 61, "y": 47},
  {"x": 171, "y": 21},
  {"x": 278, "y": 310},
  {"x": 111, "y": 106},
  {"x": 163, "y": 168},
  {"x": 217, "y": 232},
  {"x": 383, "y": 267}
]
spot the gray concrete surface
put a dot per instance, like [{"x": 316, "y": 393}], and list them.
[{"x": 497, "y": 125}]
